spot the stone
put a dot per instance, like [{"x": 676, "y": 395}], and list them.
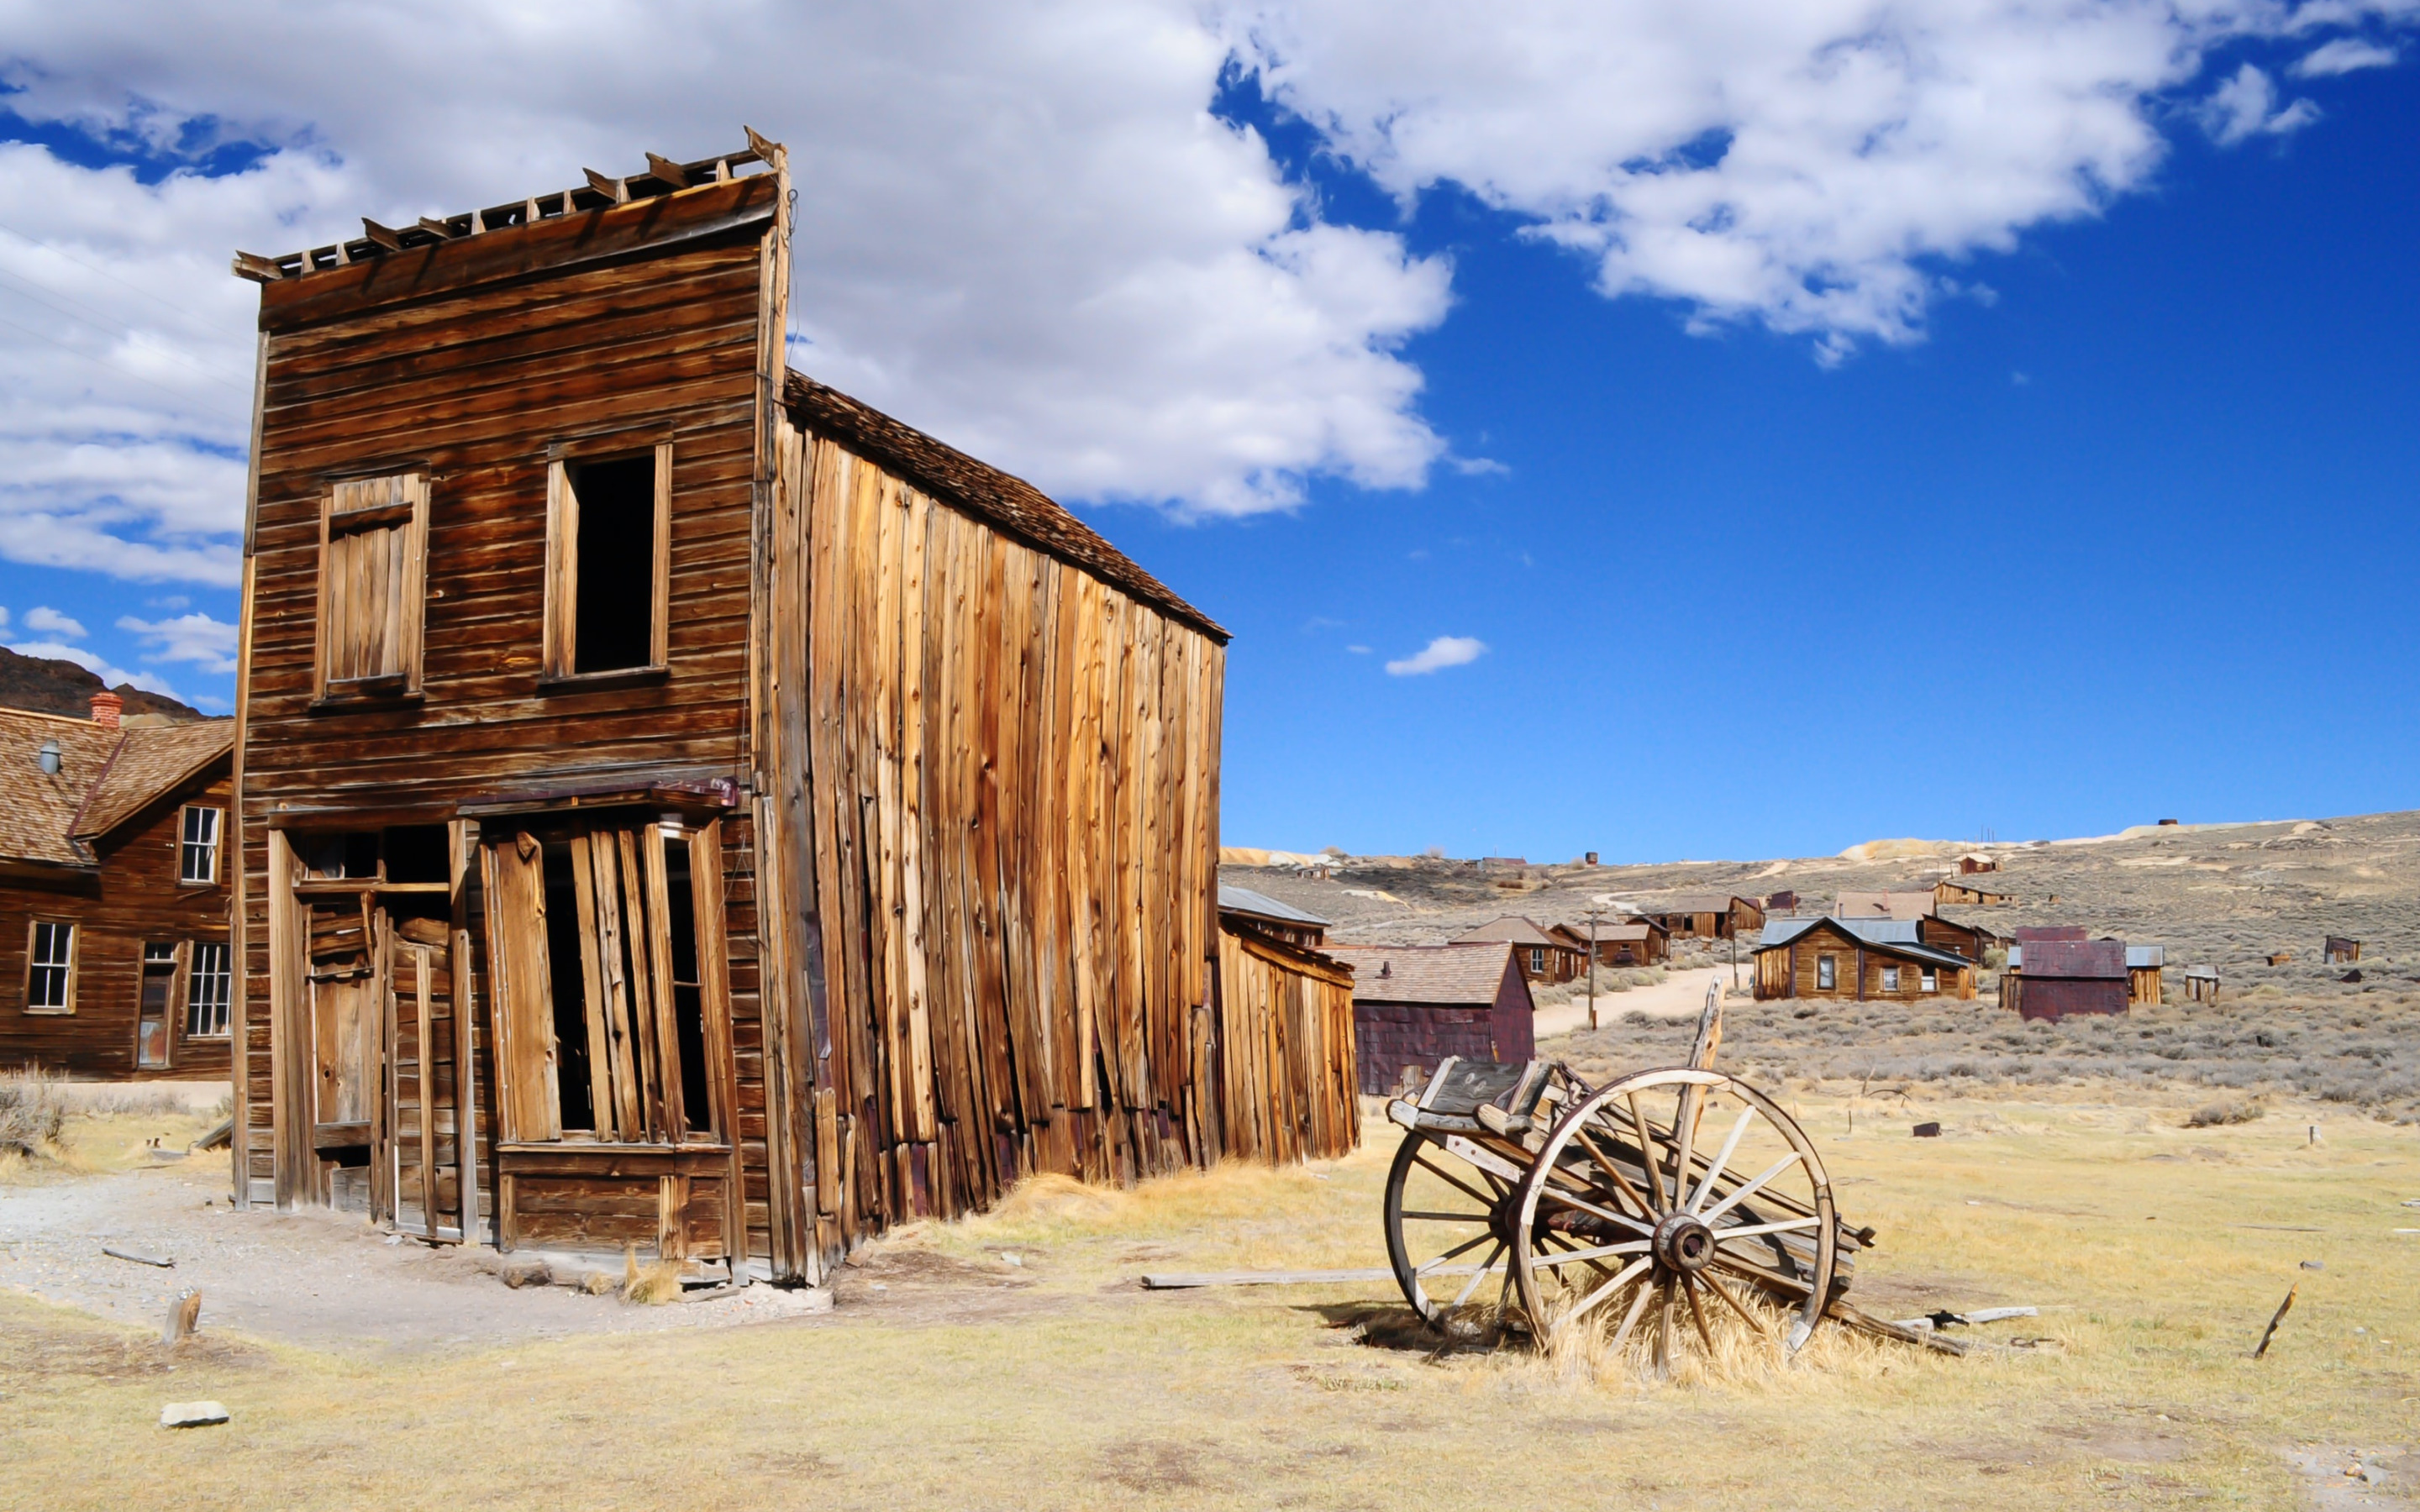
[{"x": 192, "y": 1415}]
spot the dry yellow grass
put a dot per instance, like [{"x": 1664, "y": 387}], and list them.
[{"x": 2156, "y": 1252}]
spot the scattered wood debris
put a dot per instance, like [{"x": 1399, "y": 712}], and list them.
[{"x": 163, "y": 1261}]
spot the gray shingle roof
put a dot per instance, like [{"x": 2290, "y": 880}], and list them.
[{"x": 1455, "y": 976}]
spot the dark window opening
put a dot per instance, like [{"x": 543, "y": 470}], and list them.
[
  {"x": 614, "y": 612},
  {"x": 688, "y": 1008},
  {"x": 568, "y": 991},
  {"x": 340, "y": 855},
  {"x": 416, "y": 853}
]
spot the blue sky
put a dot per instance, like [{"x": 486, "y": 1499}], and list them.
[{"x": 2076, "y": 500}]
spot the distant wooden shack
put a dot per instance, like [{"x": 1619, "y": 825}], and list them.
[
  {"x": 1950, "y": 891},
  {"x": 2143, "y": 965},
  {"x": 2342, "y": 952},
  {"x": 1547, "y": 957},
  {"x": 2201, "y": 984},
  {"x": 1860, "y": 959},
  {"x": 1414, "y": 1005},
  {"x": 1901, "y": 902},
  {"x": 1629, "y": 942},
  {"x": 1975, "y": 863},
  {"x": 2050, "y": 978},
  {"x": 1781, "y": 902},
  {"x": 114, "y": 955},
  {"x": 1968, "y": 940},
  {"x": 1286, "y": 1043},
  {"x": 1717, "y": 916}
]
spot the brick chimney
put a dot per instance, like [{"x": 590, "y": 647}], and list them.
[{"x": 106, "y": 707}]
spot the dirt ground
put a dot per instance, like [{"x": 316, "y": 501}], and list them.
[{"x": 1013, "y": 1361}]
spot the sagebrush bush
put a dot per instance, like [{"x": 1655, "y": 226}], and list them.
[{"x": 31, "y": 1112}]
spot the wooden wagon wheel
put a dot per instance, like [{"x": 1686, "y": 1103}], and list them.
[
  {"x": 1449, "y": 1207},
  {"x": 1623, "y": 1216}
]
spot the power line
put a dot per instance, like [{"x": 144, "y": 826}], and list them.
[{"x": 36, "y": 293}]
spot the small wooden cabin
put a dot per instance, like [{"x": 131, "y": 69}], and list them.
[
  {"x": 114, "y": 895},
  {"x": 1784, "y": 902},
  {"x": 1975, "y": 863},
  {"x": 1706, "y": 916},
  {"x": 682, "y": 807},
  {"x": 1950, "y": 891},
  {"x": 1861, "y": 959},
  {"x": 1969, "y": 940},
  {"x": 2201, "y": 984},
  {"x": 1546, "y": 957},
  {"x": 2342, "y": 952},
  {"x": 1414, "y": 1005},
  {"x": 2049, "y": 978},
  {"x": 1284, "y": 1045},
  {"x": 1889, "y": 903},
  {"x": 2144, "y": 964},
  {"x": 1629, "y": 942}
]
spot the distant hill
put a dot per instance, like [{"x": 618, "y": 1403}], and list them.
[{"x": 48, "y": 686}]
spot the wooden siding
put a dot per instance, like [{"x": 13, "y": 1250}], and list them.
[
  {"x": 998, "y": 901},
  {"x": 1285, "y": 1051},
  {"x": 135, "y": 900},
  {"x": 2143, "y": 985}
]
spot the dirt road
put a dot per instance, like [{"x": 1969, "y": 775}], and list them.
[{"x": 1681, "y": 994}]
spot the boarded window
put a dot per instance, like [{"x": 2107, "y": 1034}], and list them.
[
  {"x": 608, "y": 563},
  {"x": 373, "y": 552},
  {"x": 605, "y": 993},
  {"x": 1827, "y": 973},
  {"x": 152, "y": 1008},
  {"x": 50, "y": 967},
  {"x": 207, "y": 991},
  {"x": 197, "y": 845}
]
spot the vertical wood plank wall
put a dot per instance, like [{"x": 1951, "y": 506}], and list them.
[
  {"x": 1287, "y": 1070},
  {"x": 1011, "y": 875}
]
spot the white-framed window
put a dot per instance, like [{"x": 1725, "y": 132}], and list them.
[
  {"x": 1890, "y": 978},
  {"x": 208, "y": 991},
  {"x": 197, "y": 844},
  {"x": 50, "y": 967},
  {"x": 1827, "y": 973},
  {"x": 1931, "y": 980},
  {"x": 1537, "y": 960}
]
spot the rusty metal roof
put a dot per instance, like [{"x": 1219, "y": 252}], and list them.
[
  {"x": 2086, "y": 960},
  {"x": 1245, "y": 901}
]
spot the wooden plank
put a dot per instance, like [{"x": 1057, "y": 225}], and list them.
[
  {"x": 592, "y": 991},
  {"x": 613, "y": 985},
  {"x": 526, "y": 1057},
  {"x": 425, "y": 1060},
  {"x": 646, "y": 1007},
  {"x": 649, "y": 841},
  {"x": 659, "y": 573},
  {"x": 706, "y": 903},
  {"x": 562, "y": 571},
  {"x": 460, "y": 836}
]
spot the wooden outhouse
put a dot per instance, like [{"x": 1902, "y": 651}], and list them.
[
  {"x": 1414, "y": 1005},
  {"x": 682, "y": 807},
  {"x": 1546, "y": 957},
  {"x": 2201, "y": 984},
  {"x": 2342, "y": 952},
  {"x": 114, "y": 895},
  {"x": 2145, "y": 964},
  {"x": 1863, "y": 960}
]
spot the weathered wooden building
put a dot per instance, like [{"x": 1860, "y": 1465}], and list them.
[
  {"x": 1951, "y": 891},
  {"x": 1969, "y": 940},
  {"x": 1414, "y": 1005},
  {"x": 1975, "y": 863},
  {"x": 2144, "y": 964},
  {"x": 2049, "y": 978},
  {"x": 1629, "y": 942},
  {"x": 1545, "y": 956},
  {"x": 1705, "y": 916},
  {"x": 680, "y": 805},
  {"x": 2341, "y": 950},
  {"x": 1284, "y": 1047},
  {"x": 114, "y": 895},
  {"x": 2201, "y": 984},
  {"x": 1863, "y": 960}
]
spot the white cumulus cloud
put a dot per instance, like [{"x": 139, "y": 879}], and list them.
[
  {"x": 49, "y": 621},
  {"x": 2245, "y": 105},
  {"x": 2346, "y": 55},
  {"x": 196, "y": 638},
  {"x": 1443, "y": 652}
]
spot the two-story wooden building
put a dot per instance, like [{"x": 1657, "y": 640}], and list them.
[
  {"x": 114, "y": 895},
  {"x": 1547, "y": 957},
  {"x": 682, "y": 807}
]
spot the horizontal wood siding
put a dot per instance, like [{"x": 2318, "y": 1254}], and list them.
[{"x": 135, "y": 900}]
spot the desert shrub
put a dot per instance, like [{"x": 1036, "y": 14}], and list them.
[
  {"x": 2224, "y": 1111},
  {"x": 31, "y": 1113}
]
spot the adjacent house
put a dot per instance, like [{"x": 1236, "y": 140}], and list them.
[
  {"x": 2049, "y": 978},
  {"x": 1629, "y": 942},
  {"x": 1284, "y": 1041},
  {"x": 114, "y": 892},
  {"x": 1858, "y": 959},
  {"x": 1546, "y": 957},
  {"x": 1704, "y": 915},
  {"x": 1414, "y": 1005},
  {"x": 1244, "y": 910},
  {"x": 1969, "y": 940},
  {"x": 681, "y": 807}
]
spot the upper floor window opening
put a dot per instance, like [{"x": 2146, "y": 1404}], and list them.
[
  {"x": 609, "y": 563},
  {"x": 197, "y": 844}
]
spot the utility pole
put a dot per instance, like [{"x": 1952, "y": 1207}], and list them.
[{"x": 1592, "y": 913}]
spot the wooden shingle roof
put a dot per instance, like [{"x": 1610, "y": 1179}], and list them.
[
  {"x": 105, "y": 776},
  {"x": 152, "y": 761},
  {"x": 1009, "y": 503},
  {"x": 1443, "y": 976},
  {"x": 1512, "y": 929}
]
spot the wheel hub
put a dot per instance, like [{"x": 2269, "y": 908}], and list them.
[{"x": 1683, "y": 1243}]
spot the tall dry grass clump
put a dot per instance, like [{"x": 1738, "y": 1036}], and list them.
[
  {"x": 649, "y": 1284},
  {"x": 1742, "y": 1356},
  {"x": 32, "y": 1114}
]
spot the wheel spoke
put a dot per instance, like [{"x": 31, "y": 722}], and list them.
[
  {"x": 1664, "y": 1328},
  {"x": 1472, "y": 1285},
  {"x": 1635, "y": 1268},
  {"x": 1622, "y": 1182},
  {"x": 1448, "y": 1179},
  {"x": 1751, "y": 1190},
  {"x": 1630, "y": 1320},
  {"x": 1735, "y": 1304},
  {"x": 1649, "y": 1161},
  {"x": 1463, "y": 1248},
  {"x": 1684, "y": 1132},
  {"x": 1453, "y": 1217},
  {"x": 1697, "y": 1312},
  {"x": 1730, "y": 1147},
  {"x": 1607, "y": 1214},
  {"x": 1629, "y": 1247}
]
